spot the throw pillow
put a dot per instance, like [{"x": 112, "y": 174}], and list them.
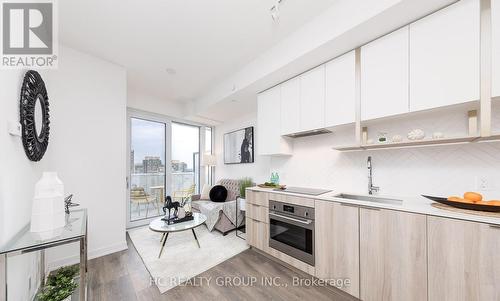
[
  {"x": 218, "y": 193},
  {"x": 205, "y": 192}
]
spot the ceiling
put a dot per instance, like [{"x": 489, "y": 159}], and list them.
[{"x": 178, "y": 49}]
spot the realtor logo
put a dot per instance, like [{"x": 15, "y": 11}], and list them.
[{"x": 28, "y": 35}]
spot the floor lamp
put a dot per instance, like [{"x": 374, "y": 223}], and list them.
[{"x": 209, "y": 161}]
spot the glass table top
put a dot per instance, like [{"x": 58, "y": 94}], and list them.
[
  {"x": 76, "y": 225},
  {"x": 158, "y": 225}
]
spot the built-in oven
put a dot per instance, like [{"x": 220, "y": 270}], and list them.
[{"x": 291, "y": 230}]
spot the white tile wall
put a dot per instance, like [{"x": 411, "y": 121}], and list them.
[{"x": 437, "y": 170}]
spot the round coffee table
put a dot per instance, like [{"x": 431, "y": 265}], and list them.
[{"x": 160, "y": 226}]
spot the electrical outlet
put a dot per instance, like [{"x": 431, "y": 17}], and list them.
[{"x": 484, "y": 183}]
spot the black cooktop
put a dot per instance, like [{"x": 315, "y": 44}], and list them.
[{"x": 301, "y": 190}]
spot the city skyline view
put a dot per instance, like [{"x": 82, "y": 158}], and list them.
[{"x": 148, "y": 140}]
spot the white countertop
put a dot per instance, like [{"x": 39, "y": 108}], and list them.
[{"x": 417, "y": 204}]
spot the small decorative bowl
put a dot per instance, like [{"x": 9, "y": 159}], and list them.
[{"x": 416, "y": 134}]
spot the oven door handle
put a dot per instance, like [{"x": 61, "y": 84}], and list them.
[{"x": 306, "y": 222}]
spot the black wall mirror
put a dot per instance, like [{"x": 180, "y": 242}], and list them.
[{"x": 34, "y": 116}]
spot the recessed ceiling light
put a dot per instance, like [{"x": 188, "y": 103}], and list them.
[{"x": 171, "y": 71}]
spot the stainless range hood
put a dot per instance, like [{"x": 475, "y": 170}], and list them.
[{"x": 309, "y": 133}]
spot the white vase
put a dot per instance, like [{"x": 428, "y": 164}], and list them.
[{"x": 47, "y": 213}]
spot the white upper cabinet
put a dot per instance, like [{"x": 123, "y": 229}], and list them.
[
  {"x": 290, "y": 106},
  {"x": 495, "y": 9},
  {"x": 340, "y": 101},
  {"x": 312, "y": 99},
  {"x": 384, "y": 76},
  {"x": 269, "y": 137},
  {"x": 444, "y": 57}
]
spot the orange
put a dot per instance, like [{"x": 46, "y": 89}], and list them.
[{"x": 473, "y": 197}]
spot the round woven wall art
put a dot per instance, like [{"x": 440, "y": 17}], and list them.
[{"x": 34, "y": 116}]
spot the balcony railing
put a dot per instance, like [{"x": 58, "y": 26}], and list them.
[{"x": 153, "y": 184}]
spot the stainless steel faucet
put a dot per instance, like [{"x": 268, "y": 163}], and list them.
[{"x": 371, "y": 188}]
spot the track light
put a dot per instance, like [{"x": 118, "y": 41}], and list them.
[{"x": 275, "y": 11}]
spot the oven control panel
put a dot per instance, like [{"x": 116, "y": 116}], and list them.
[{"x": 291, "y": 209}]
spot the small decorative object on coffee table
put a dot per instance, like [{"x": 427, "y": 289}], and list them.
[
  {"x": 161, "y": 226},
  {"x": 169, "y": 205}
]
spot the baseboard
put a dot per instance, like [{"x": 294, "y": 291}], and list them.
[{"x": 91, "y": 255}]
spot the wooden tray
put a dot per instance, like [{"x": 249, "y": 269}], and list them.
[{"x": 468, "y": 206}]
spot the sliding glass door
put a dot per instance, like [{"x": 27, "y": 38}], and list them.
[
  {"x": 163, "y": 160},
  {"x": 147, "y": 166},
  {"x": 185, "y": 160}
]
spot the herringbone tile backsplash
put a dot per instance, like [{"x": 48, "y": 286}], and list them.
[{"x": 437, "y": 170}]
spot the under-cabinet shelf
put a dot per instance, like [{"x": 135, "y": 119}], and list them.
[{"x": 416, "y": 143}]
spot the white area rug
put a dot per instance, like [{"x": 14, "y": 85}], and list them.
[{"x": 181, "y": 258}]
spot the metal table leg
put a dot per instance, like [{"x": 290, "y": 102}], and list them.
[
  {"x": 163, "y": 245},
  {"x": 42, "y": 267},
  {"x": 162, "y": 237},
  {"x": 3, "y": 277},
  {"x": 196, "y": 238},
  {"x": 83, "y": 269}
]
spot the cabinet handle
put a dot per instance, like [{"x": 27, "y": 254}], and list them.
[
  {"x": 349, "y": 205},
  {"x": 495, "y": 226},
  {"x": 369, "y": 208}
]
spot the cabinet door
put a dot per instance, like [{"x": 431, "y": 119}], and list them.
[
  {"x": 269, "y": 124},
  {"x": 495, "y": 10},
  {"x": 384, "y": 76},
  {"x": 464, "y": 260},
  {"x": 257, "y": 198},
  {"x": 257, "y": 234},
  {"x": 290, "y": 106},
  {"x": 340, "y": 101},
  {"x": 393, "y": 263},
  {"x": 337, "y": 244},
  {"x": 444, "y": 57},
  {"x": 312, "y": 99}
]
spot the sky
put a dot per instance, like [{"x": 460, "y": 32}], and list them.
[{"x": 148, "y": 139}]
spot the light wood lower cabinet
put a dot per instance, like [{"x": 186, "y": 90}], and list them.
[
  {"x": 464, "y": 260},
  {"x": 257, "y": 234},
  {"x": 257, "y": 198},
  {"x": 393, "y": 261},
  {"x": 259, "y": 213},
  {"x": 337, "y": 244}
]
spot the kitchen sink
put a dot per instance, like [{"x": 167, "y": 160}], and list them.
[{"x": 367, "y": 198}]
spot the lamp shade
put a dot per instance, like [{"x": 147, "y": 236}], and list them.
[{"x": 209, "y": 160}]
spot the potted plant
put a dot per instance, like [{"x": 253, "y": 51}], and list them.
[
  {"x": 244, "y": 184},
  {"x": 60, "y": 285}
]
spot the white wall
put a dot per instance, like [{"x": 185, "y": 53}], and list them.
[
  {"x": 17, "y": 183},
  {"x": 142, "y": 101},
  {"x": 258, "y": 171},
  {"x": 87, "y": 148}
]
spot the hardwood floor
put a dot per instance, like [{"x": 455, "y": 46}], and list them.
[{"x": 123, "y": 276}]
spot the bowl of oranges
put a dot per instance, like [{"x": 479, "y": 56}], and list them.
[{"x": 470, "y": 201}]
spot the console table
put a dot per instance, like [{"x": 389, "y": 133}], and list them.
[{"x": 27, "y": 242}]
